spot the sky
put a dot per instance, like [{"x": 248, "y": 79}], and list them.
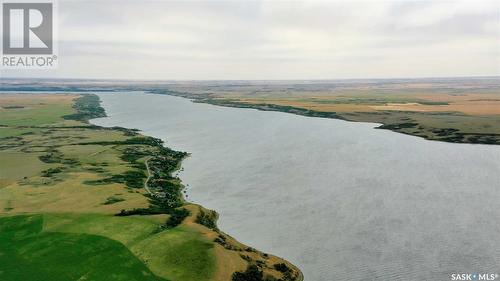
[{"x": 266, "y": 40}]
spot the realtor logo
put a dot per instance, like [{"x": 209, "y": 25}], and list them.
[
  {"x": 28, "y": 35},
  {"x": 27, "y": 28}
]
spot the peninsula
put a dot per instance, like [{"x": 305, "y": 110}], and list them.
[{"x": 79, "y": 201}]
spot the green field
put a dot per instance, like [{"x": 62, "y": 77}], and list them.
[
  {"x": 181, "y": 249},
  {"x": 29, "y": 252},
  {"x": 70, "y": 230},
  {"x": 73, "y": 204},
  {"x": 34, "y": 110}
]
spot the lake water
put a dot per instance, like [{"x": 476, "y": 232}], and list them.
[{"x": 340, "y": 200}]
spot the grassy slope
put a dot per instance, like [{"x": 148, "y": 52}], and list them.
[
  {"x": 180, "y": 249},
  {"x": 28, "y": 252},
  {"x": 75, "y": 213}
]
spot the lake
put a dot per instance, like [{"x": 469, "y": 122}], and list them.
[{"x": 341, "y": 200}]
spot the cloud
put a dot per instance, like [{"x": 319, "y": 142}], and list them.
[{"x": 276, "y": 39}]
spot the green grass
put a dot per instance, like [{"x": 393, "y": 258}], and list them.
[
  {"x": 184, "y": 253},
  {"x": 35, "y": 116},
  {"x": 90, "y": 243},
  {"x": 27, "y": 252},
  {"x": 6, "y": 132},
  {"x": 177, "y": 254},
  {"x": 11, "y": 161},
  {"x": 137, "y": 228}
]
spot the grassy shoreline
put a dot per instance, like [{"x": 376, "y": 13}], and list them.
[
  {"x": 404, "y": 122},
  {"x": 161, "y": 203},
  {"x": 455, "y": 110},
  {"x": 89, "y": 181}
]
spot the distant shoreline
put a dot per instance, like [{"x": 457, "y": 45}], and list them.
[
  {"x": 434, "y": 108},
  {"x": 445, "y": 135}
]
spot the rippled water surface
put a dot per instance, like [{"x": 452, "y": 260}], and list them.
[{"x": 341, "y": 200}]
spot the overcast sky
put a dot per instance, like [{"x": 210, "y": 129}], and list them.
[{"x": 275, "y": 39}]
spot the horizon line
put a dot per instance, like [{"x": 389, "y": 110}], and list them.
[{"x": 250, "y": 80}]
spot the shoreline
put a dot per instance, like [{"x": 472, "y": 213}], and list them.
[
  {"x": 226, "y": 241},
  {"x": 404, "y": 122},
  {"x": 449, "y": 135}
]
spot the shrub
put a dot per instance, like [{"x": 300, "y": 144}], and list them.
[
  {"x": 87, "y": 107},
  {"x": 112, "y": 200},
  {"x": 253, "y": 273},
  {"x": 134, "y": 179},
  {"x": 281, "y": 267},
  {"x": 177, "y": 216},
  {"x": 207, "y": 219},
  {"x": 50, "y": 172}
]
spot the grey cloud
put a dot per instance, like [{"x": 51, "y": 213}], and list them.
[{"x": 287, "y": 39}]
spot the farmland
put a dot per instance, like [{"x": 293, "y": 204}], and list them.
[{"x": 451, "y": 110}]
